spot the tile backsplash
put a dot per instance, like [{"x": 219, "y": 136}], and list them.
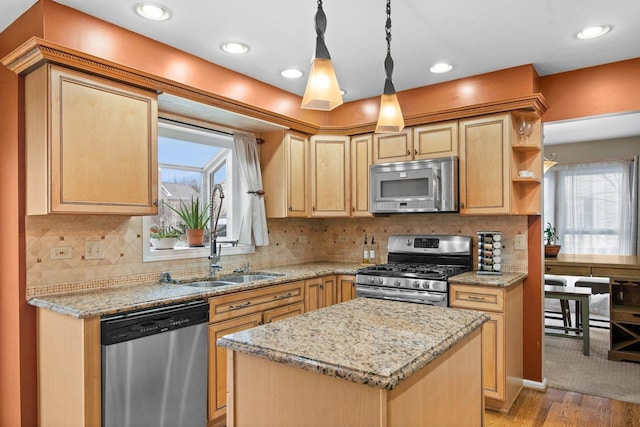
[{"x": 291, "y": 241}]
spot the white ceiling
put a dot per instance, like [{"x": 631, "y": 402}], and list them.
[{"x": 475, "y": 36}]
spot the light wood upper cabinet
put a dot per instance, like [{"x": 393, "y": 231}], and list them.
[
  {"x": 485, "y": 157},
  {"x": 283, "y": 160},
  {"x": 396, "y": 147},
  {"x": 361, "y": 159},
  {"x": 91, "y": 145},
  {"x": 330, "y": 176},
  {"x": 435, "y": 140}
]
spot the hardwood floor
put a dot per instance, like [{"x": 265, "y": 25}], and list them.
[{"x": 565, "y": 408}]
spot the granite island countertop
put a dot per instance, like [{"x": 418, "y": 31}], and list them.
[
  {"x": 367, "y": 341},
  {"x": 503, "y": 280},
  {"x": 117, "y": 299}
]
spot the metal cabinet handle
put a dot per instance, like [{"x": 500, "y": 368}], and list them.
[
  {"x": 415, "y": 152},
  {"x": 548, "y": 268},
  {"x": 236, "y": 307},
  {"x": 279, "y": 297},
  {"x": 290, "y": 208},
  {"x": 462, "y": 205},
  {"x": 475, "y": 298},
  {"x": 408, "y": 152}
]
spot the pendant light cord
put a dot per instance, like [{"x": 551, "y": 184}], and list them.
[
  {"x": 321, "y": 25},
  {"x": 389, "y": 89}
]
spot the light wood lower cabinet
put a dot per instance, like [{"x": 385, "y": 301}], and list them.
[
  {"x": 239, "y": 311},
  {"x": 346, "y": 288},
  {"x": 328, "y": 290},
  {"x": 501, "y": 339}
]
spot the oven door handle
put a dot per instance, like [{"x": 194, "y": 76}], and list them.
[
  {"x": 437, "y": 190},
  {"x": 413, "y": 295}
]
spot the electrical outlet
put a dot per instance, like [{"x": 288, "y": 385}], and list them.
[
  {"x": 520, "y": 242},
  {"x": 61, "y": 252},
  {"x": 343, "y": 238},
  {"x": 302, "y": 239},
  {"x": 94, "y": 249}
]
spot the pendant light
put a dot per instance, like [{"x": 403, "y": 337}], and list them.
[
  {"x": 323, "y": 91},
  {"x": 390, "y": 118}
]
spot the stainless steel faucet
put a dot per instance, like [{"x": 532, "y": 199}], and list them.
[
  {"x": 165, "y": 277},
  {"x": 216, "y": 253}
]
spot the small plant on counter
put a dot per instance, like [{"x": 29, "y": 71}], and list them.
[
  {"x": 195, "y": 218},
  {"x": 550, "y": 236},
  {"x": 169, "y": 232}
]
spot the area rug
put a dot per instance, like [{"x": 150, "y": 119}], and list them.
[{"x": 566, "y": 368}]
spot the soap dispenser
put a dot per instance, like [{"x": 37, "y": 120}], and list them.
[
  {"x": 372, "y": 250},
  {"x": 365, "y": 251}
]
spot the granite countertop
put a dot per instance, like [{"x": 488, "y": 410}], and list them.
[
  {"x": 367, "y": 341},
  {"x": 503, "y": 280},
  {"x": 116, "y": 299}
]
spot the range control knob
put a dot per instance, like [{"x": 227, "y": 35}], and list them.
[
  {"x": 416, "y": 284},
  {"x": 371, "y": 280},
  {"x": 425, "y": 285},
  {"x": 379, "y": 281},
  {"x": 396, "y": 282}
]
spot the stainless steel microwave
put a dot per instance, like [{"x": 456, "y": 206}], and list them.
[{"x": 415, "y": 186}]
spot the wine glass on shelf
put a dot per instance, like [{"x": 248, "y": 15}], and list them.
[
  {"x": 528, "y": 128},
  {"x": 521, "y": 127}
]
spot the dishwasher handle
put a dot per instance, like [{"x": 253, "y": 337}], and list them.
[{"x": 132, "y": 325}]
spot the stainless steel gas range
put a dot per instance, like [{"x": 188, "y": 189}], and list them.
[{"x": 418, "y": 269}]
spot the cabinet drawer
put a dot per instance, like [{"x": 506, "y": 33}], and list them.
[
  {"x": 625, "y": 316},
  {"x": 242, "y": 303},
  {"x": 569, "y": 270},
  {"x": 476, "y": 297},
  {"x": 631, "y": 273}
]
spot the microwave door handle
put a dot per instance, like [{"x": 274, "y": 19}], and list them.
[{"x": 437, "y": 190}]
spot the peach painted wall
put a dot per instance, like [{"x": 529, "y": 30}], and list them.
[
  {"x": 606, "y": 89},
  {"x": 17, "y": 318}
]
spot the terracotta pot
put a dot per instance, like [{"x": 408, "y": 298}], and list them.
[
  {"x": 551, "y": 250},
  {"x": 195, "y": 237}
]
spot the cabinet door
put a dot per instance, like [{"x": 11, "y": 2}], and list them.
[
  {"x": 396, "y": 147},
  {"x": 283, "y": 312},
  {"x": 314, "y": 294},
  {"x": 435, "y": 140},
  {"x": 484, "y": 165},
  {"x": 361, "y": 159},
  {"x": 330, "y": 290},
  {"x": 96, "y": 151},
  {"x": 346, "y": 288},
  {"x": 297, "y": 184},
  {"x": 493, "y": 353},
  {"x": 330, "y": 176},
  {"x": 218, "y": 360}
]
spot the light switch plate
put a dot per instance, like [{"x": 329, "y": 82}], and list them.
[
  {"x": 94, "y": 249},
  {"x": 520, "y": 242}
]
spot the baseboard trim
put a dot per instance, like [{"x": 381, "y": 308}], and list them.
[{"x": 536, "y": 385}]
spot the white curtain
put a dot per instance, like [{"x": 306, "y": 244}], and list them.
[
  {"x": 253, "y": 220},
  {"x": 635, "y": 203},
  {"x": 595, "y": 211}
]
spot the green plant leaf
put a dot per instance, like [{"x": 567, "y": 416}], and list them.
[{"x": 193, "y": 216}]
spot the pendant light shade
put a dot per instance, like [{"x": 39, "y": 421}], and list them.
[
  {"x": 390, "y": 118},
  {"x": 323, "y": 90}
]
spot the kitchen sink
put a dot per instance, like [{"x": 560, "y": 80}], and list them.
[
  {"x": 207, "y": 284},
  {"x": 231, "y": 280},
  {"x": 244, "y": 278}
]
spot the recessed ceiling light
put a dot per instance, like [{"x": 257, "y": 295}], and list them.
[
  {"x": 291, "y": 73},
  {"x": 153, "y": 11},
  {"x": 441, "y": 67},
  {"x": 235, "y": 48},
  {"x": 593, "y": 32}
]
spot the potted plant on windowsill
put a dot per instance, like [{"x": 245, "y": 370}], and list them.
[
  {"x": 550, "y": 236},
  {"x": 163, "y": 237},
  {"x": 195, "y": 218}
]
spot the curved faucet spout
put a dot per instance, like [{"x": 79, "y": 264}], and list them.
[{"x": 215, "y": 207}]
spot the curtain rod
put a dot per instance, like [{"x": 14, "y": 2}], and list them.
[{"x": 165, "y": 119}]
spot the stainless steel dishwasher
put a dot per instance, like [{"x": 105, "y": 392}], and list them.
[{"x": 154, "y": 367}]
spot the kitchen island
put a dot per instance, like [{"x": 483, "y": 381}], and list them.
[{"x": 364, "y": 362}]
